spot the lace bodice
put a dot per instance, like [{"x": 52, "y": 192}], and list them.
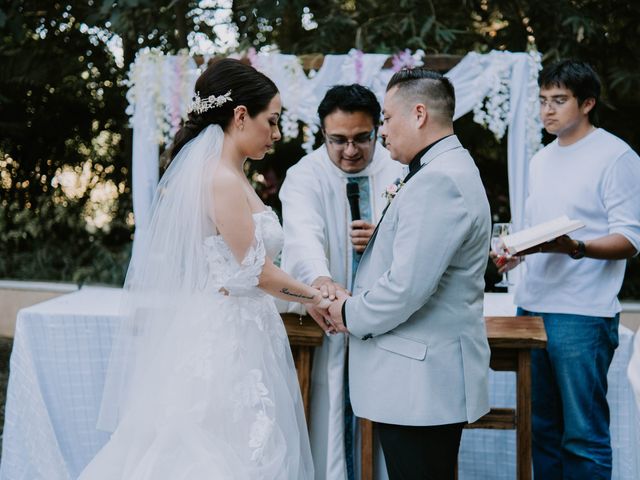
[
  {"x": 271, "y": 230},
  {"x": 242, "y": 279}
]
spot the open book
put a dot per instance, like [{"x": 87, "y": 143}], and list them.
[{"x": 541, "y": 233}]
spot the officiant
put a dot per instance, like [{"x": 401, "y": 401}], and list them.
[{"x": 331, "y": 202}]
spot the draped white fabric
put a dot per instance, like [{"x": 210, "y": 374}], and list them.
[
  {"x": 144, "y": 167},
  {"x": 500, "y": 87},
  {"x": 160, "y": 88}
]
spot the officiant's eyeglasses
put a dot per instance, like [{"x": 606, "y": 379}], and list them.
[{"x": 360, "y": 140}]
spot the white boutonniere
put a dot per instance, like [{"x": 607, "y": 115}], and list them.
[{"x": 392, "y": 190}]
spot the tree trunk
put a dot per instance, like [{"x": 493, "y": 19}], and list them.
[{"x": 181, "y": 24}]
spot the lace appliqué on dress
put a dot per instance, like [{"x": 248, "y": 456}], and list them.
[
  {"x": 225, "y": 272},
  {"x": 251, "y": 394}
]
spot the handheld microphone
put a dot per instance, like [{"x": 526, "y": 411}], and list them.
[{"x": 353, "y": 196}]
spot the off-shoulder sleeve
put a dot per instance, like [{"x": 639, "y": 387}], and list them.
[{"x": 244, "y": 278}]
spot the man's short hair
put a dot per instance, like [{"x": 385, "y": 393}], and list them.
[
  {"x": 349, "y": 98},
  {"x": 577, "y": 76},
  {"x": 432, "y": 87}
]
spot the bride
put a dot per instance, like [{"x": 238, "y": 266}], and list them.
[{"x": 201, "y": 382}]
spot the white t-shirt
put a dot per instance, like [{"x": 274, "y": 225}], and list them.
[{"x": 596, "y": 180}]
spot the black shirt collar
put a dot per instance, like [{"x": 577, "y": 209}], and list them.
[{"x": 414, "y": 166}]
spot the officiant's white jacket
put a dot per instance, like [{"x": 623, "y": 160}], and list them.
[
  {"x": 317, "y": 220},
  {"x": 418, "y": 349}
]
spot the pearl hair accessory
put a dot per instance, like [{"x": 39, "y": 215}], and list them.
[{"x": 200, "y": 105}]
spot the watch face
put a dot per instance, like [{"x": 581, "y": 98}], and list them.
[{"x": 579, "y": 252}]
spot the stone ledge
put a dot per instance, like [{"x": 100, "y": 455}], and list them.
[{"x": 15, "y": 295}]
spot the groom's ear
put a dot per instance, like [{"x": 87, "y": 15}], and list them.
[{"x": 421, "y": 115}]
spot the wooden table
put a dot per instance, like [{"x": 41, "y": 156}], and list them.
[
  {"x": 304, "y": 335},
  {"x": 511, "y": 340}
]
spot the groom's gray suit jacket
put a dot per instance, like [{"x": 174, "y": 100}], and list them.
[{"x": 418, "y": 352}]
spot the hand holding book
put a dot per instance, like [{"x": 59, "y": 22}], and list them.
[
  {"x": 548, "y": 237},
  {"x": 563, "y": 244}
]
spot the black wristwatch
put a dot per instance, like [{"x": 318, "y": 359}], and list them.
[{"x": 578, "y": 252}]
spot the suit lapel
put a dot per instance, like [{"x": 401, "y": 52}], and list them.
[{"x": 444, "y": 146}]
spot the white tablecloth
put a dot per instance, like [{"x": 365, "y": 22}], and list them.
[{"x": 59, "y": 361}]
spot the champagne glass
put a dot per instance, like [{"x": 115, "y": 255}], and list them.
[{"x": 497, "y": 246}]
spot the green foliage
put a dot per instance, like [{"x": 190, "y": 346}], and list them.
[
  {"x": 62, "y": 109},
  {"x": 60, "y": 92},
  {"x": 335, "y": 26},
  {"x": 51, "y": 243}
]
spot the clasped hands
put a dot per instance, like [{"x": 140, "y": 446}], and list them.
[{"x": 327, "y": 310}]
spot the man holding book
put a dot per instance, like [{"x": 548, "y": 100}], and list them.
[{"x": 592, "y": 177}]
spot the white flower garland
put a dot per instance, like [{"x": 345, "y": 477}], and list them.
[
  {"x": 167, "y": 81},
  {"x": 493, "y": 111}
]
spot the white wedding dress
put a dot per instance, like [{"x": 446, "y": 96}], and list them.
[{"x": 225, "y": 401}]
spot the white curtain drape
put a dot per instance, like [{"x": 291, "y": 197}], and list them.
[
  {"x": 510, "y": 79},
  {"x": 499, "y": 87}
]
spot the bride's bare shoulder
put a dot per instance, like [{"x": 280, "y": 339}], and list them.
[
  {"x": 226, "y": 180},
  {"x": 229, "y": 193},
  {"x": 225, "y": 172}
]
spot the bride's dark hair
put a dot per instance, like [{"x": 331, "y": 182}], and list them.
[{"x": 248, "y": 87}]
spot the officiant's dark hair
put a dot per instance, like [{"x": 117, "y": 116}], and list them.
[
  {"x": 577, "y": 76},
  {"x": 422, "y": 82},
  {"x": 248, "y": 87},
  {"x": 349, "y": 98}
]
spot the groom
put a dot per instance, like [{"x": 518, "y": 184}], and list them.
[{"x": 418, "y": 356}]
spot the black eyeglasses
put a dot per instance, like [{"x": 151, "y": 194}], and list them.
[
  {"x": 360, "y": 140},
  {"x": 554, "y": 102}
]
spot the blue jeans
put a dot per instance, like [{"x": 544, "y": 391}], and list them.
[{"x": 570, "y": 413}]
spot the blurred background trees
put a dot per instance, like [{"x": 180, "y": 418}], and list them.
[{"x": 65, "y": 143}]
